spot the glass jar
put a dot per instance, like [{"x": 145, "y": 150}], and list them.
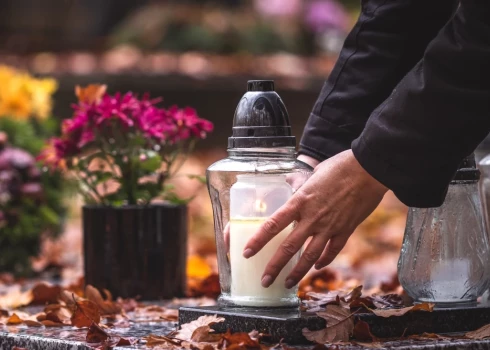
[
  {"x": 260, "y": 174},
  {"x": 445, "y": 256}
]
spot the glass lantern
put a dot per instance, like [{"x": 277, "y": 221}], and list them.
[
  {"x": 260, "y": 174},
  {"x": 445, "y": 256}
]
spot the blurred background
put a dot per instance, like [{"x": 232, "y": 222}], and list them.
[{"x": 197, "y": 53}]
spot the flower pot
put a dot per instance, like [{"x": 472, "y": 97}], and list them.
[{"x": 136, "y": 250}]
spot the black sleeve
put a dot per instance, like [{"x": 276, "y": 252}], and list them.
[
  {"x": 388, "y": 39},
  {"x": 437, "y": 114}
]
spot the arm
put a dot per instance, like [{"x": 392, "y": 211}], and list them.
[
  {"x": 386, "y": 42},
  {"x": 437, "y": 114}
]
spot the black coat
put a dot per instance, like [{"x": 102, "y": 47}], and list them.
[{"x": 410, "y": 94}]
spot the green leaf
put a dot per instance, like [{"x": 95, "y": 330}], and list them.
[
  {"x": 102, "y": 176},
  {"x": 200, "y": 178},
  {"x": 152, "y": 163},
  {"x": 49, "y": 215},
  {"x": 174, "y": 199}
]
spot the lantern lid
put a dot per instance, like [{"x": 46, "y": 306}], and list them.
[
  {"x": 261, "y": 119},
  {"x": 467, "y": 170}
]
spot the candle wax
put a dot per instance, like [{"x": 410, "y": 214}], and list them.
[{"x": 246, "y": 274}]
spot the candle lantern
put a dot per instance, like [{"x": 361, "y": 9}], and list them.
[
  {"x": 260, "y": 174},
  {"x": 445, "y": 256}
]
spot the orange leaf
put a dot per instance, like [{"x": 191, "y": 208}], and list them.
[
  {"x": 156, "y": 340},
  {"x": 238, "y": 341},
  {"x": 197, "y": 267},
  {"x": 186, "y": 331},
  {"x": 44, "y": 294},
  {"x": 480, "y": 333},
  {"x": 49, "y": 323},
  {"x": 86, "y": 313},
  {"x": 107, "y": 307},
  {"x": 96, "y": 334},
  {"x": 204, "y": 334},
  {"x": 91, "y": 93},
  {"x": 31, "y": 323},
  {"x": 14, "y": 319},
  {"x": 400, "y": 312}
]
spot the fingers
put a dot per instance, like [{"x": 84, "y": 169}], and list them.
[
  {"x": 333, "y": 248},
  {"x": 308, "y": 258},
  {"x": 291, "y": 245},
  {"x": 275, "y": 224}
]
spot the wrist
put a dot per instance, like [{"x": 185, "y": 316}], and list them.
[
  {"x": 369, "y": 181},
  {"x": 308, "y": 160}
]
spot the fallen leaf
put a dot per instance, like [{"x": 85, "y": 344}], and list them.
[
  {"x": 170, "y": 315},
  {"x": 107, "y": 307},
  {"x": 43, "y": 293},
  {"x": 86, "y": 313},
  {"x": 205, "y": 334},
  {"x": 15, "y": 298},
  {"x": 424, "y": 336},
  {"x": 209, "y": 287},
  {"x": 31, "y": 323},
  {"x": 340, "y": 326},
  {"x": 362, "y": 332},
  {"x": 127, "y": 304},
  {"x": 14, "y": 319},
  {"x": 127, "y": 341},
  {"x": 480, "y": 333},
  {"x": 319, "y": 300},
  {"x": 49, "y": 323},
  {"x": 41, "y": 317},
  {"x": 186, "y": 330},
  {"x": 237, "y": 341},
  {"x": 96, "y": 334},
  {"x": 400, "y": 312},
  {"x": 58, "y": 313},
  {"x": 4, "y": 313},
  {"x": 156, "y": 340},
  {"x": 388, "y": 301},
  {"x": 374, "y": 345}
]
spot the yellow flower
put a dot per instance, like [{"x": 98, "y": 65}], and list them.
[{"x": 23, "y": 96}]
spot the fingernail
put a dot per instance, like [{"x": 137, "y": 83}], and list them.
[
  {"x": 266, "y": 281},
  {"x": 248, "y": 253},
  {"x": 289, "y": 284}
]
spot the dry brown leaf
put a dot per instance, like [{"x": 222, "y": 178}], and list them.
[
  {"x": 157, "y": 340},
  {"x": 238, "y": 341},
  {"x": 362, "y": 332},
  {"x": 86, "y": 313},
  {"x": 127, "y": 341},
  {"x": 400, "y": 312},
  {"x": 15, "y": 298},
  {"x": 31, "y": 323},
  {"x": 107, "y": 307},
  {"x": 14, "y": 319},
  {"x": 59, "y": 314},
  {"x": 43, "y": 293},
  {"x": 186, "y": 331},
  {"x": 4, "y": 313},
  {"x": 342, "y": 297},
  {"x": 425, "y": 336},
  {"x": 374, "y": 345},
  {"x": 96, "y": 334},
  {"x": 170, "y": 315},
  {"x": 205, "y": 334},
  {"x": 480, "y": 333},
  {"x": 49, "y": 323},
  {"x": 41, "y": 317},
  {"x": 340, "y": 326},
  {"x": 127, "y": 304}
]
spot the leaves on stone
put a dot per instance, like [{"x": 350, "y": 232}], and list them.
[
  {"x": 480, "y": 333},
  {"x": 320, "y": 300},
  {"x": 236, "y": 341},
  {"x": 86, "y": 312},
  {"x": 340, "y": 326},
  {"x": 96, "y": 334},
  {"x": 400, "y": 312},
  {"x": 362, "y": 332},
  {"x": 107, "y": 306},
  {"x": 43, "y": 293},
  {"x": 187, "y": 330}
]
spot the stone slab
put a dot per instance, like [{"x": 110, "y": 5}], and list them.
[{"x": 287, "y": 324}]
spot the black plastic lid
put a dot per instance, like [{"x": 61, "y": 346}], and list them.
[
  {"x": 261, "y": 119},
  {"x": 467, "y": 171}
]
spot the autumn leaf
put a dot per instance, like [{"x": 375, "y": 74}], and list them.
[
  {"x": 108, "y": 306},
  {"x": 340, "y": 326},
  {"x": 318, "y": 300},
  {"x": 127, "y": 341},
  {"x": 127, "y": 304},
  {"x": 86, "y": 313},
  {"x": 187, "y": 329},
  {"x": 14, "y": 319},
  {"x": 425, "y": 336},
  {"x": 362, "y": 332},
  {"x": 4, "y": 313},
  {"x": 58, "y": 313},
  {"x": 43, "y": 293},
  {"x": 400, "y": 312},
  {"x": 237, "y": 341},
  {"x": 31, "y": 323},
  {"x": 205, "y": 334},
  {"x": 49, "y": 323},
  {"x": 96, "y": 334},
  {"x": 15, "y": 298},
  {"x": 157, "y": 340},
  {"x": 91, "y": 93},
  {"x": 480, "y": 333}
]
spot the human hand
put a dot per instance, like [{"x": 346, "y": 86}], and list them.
[
  {"x": 328, "y": 207},
  {"x": 308, "y": 160}
]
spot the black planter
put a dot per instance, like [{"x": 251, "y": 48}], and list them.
[{"x": 136, "y": 250}]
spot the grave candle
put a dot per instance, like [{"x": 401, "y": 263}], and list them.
[{"x": 252, "y": 200}]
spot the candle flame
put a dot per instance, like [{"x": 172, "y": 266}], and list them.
[{"x": 260, "y": 206}]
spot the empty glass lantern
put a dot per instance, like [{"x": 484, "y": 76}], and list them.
[
  {"x": 445, "y": 256},
  {"x": 260, "y": 174}
]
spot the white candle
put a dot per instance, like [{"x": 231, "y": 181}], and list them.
[
  {"x": 446, "y": 280},
  {"x": 246, "y": 288}
]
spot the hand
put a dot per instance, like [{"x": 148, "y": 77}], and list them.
[
  {"x": 308, "y": 160},
  {"x": 328, "y": 207}
]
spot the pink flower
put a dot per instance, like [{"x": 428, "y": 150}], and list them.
[
  {"x": 56, "y": 151},
  {"x": 122, "y": 108},
  {"x": 189, "y": 124}
]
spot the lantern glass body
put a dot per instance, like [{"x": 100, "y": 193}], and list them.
[
  {"x": 245, "y": 189},
  {"x": 445, "y": 256}
]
